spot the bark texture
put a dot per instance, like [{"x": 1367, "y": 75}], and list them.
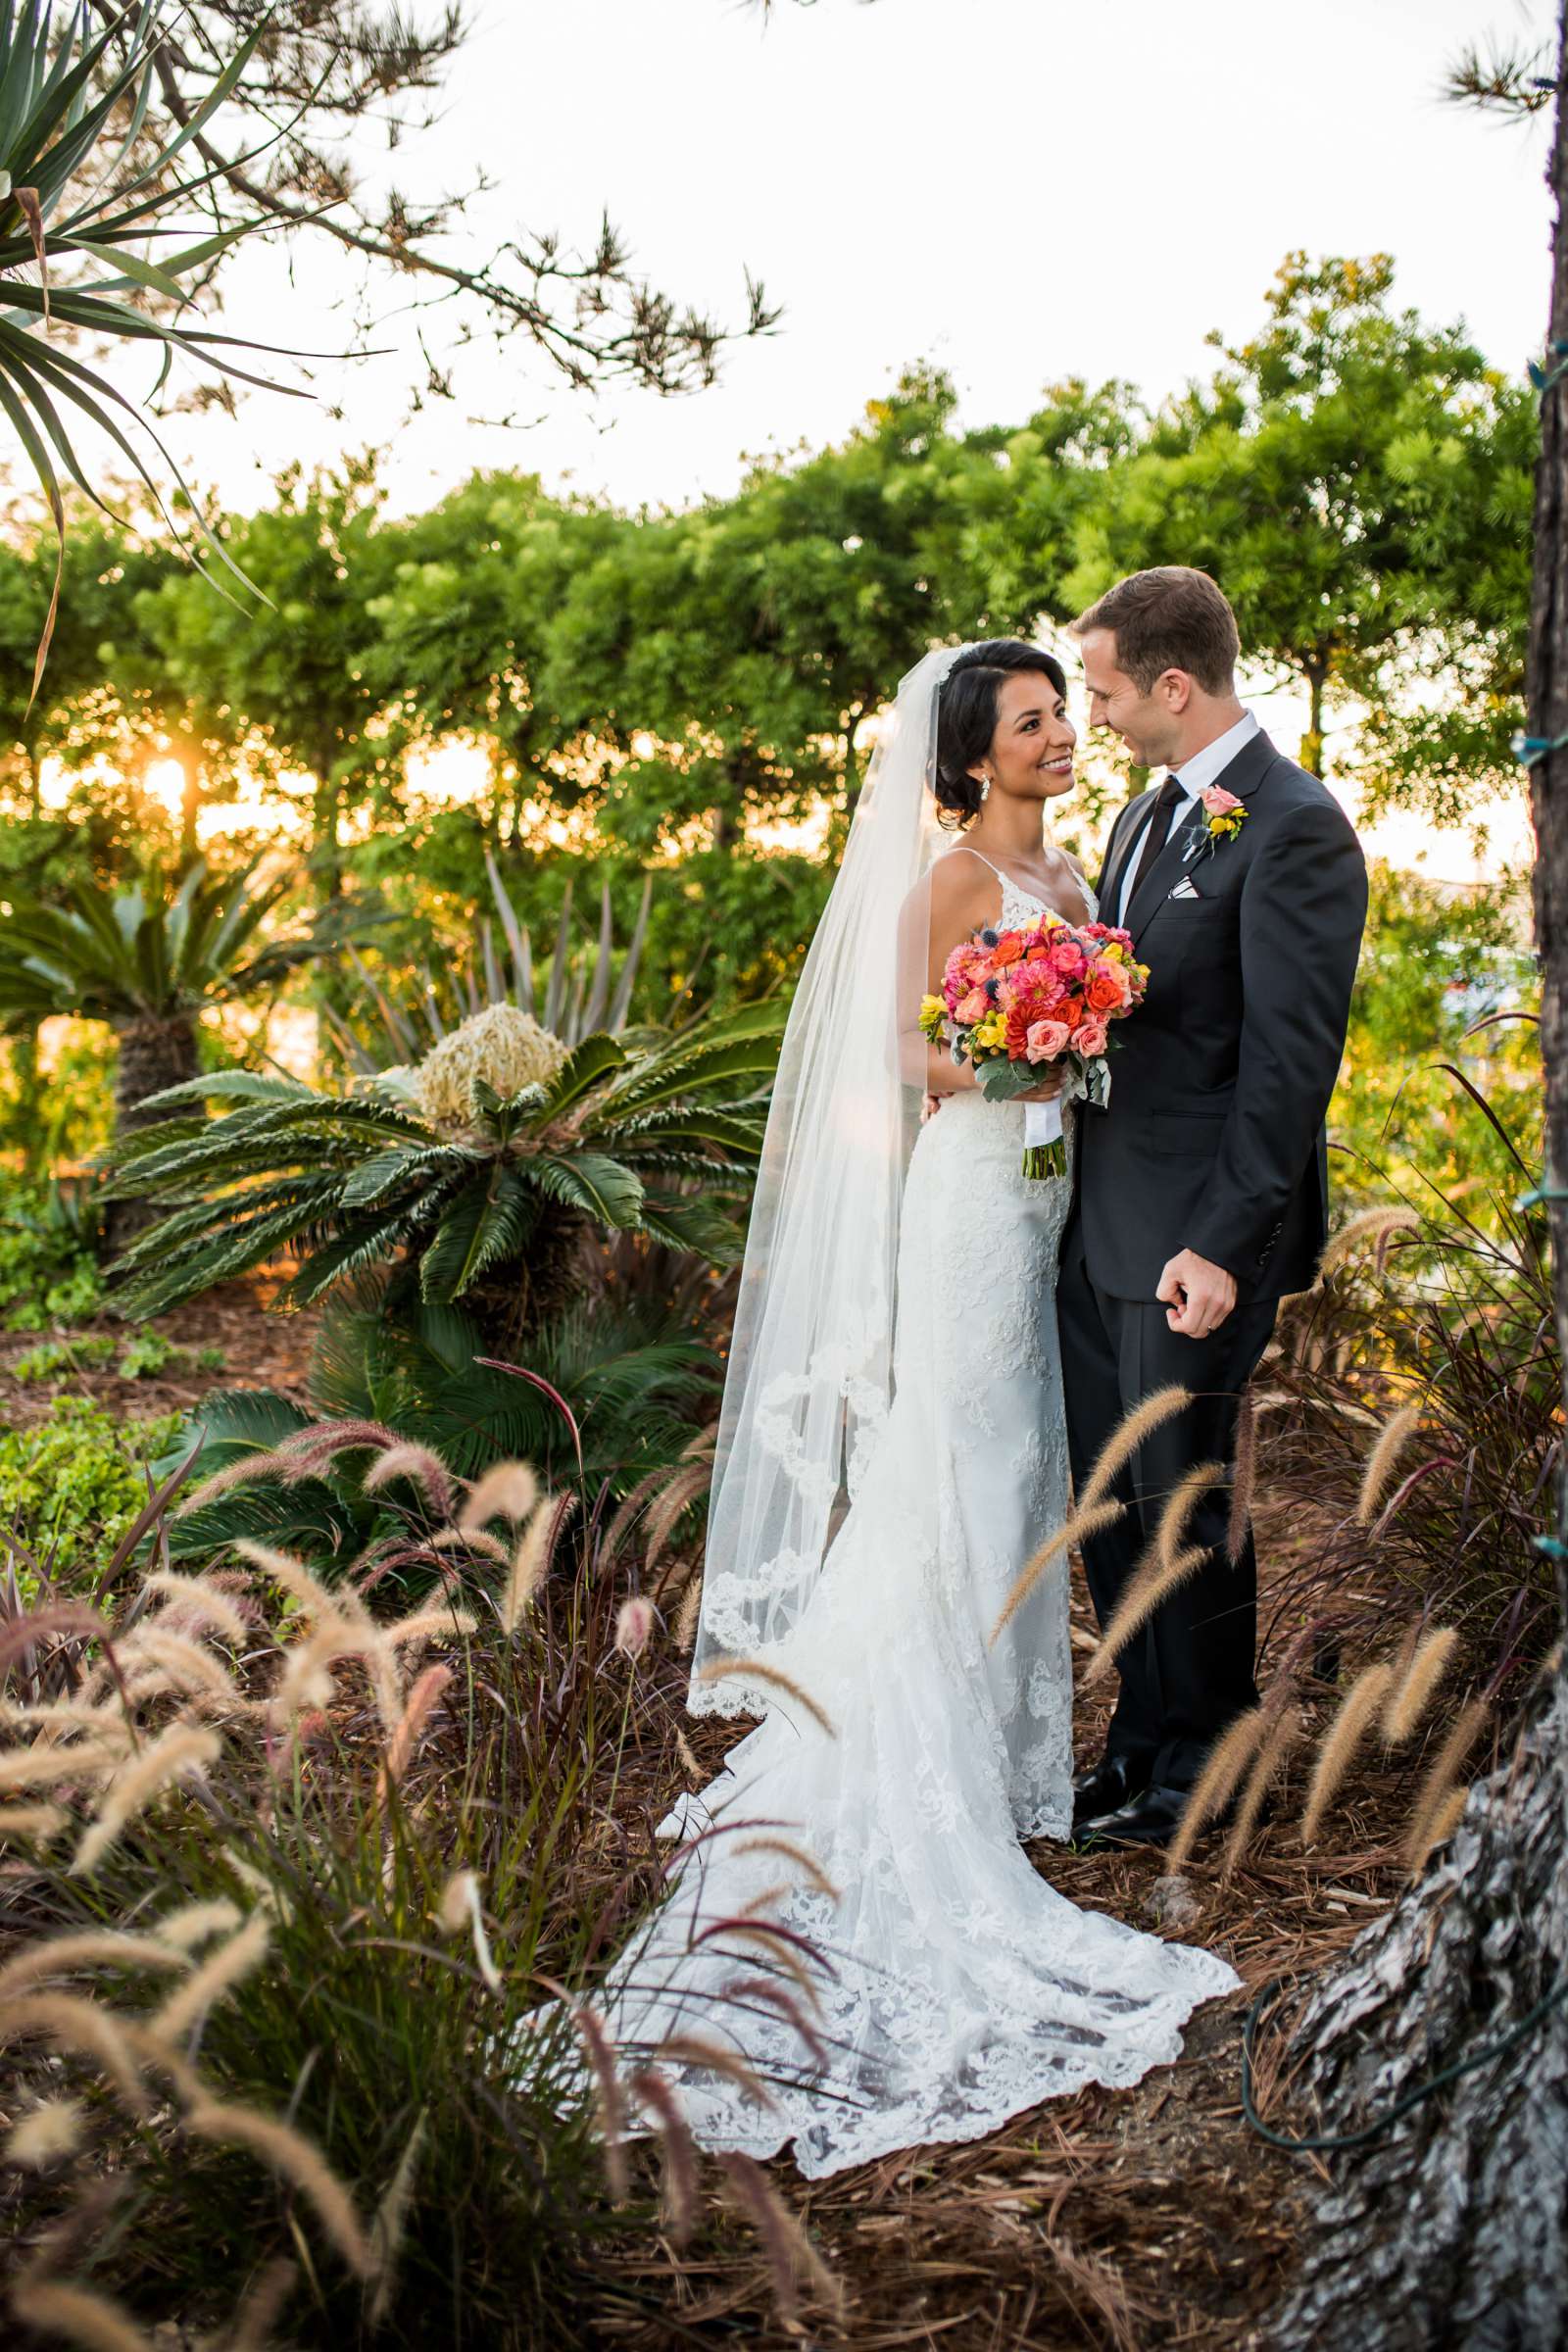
[
  {"x": 154, "y": 1053},
  {"x": 1452, "y": 2230}
]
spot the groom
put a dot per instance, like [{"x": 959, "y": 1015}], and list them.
[{"x": 1202, "y": 1189}]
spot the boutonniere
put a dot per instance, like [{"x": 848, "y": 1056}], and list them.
[{"x": 1223, "y": 815}]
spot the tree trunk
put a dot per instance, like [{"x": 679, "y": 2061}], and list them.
[
  {"x": 1451, "y": 2228},
  {"x": 154, "y": 1053},
  {"x": 1311, "y": 751}
]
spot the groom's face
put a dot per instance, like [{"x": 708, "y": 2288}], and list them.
[{"x": 1146, "y": 723}]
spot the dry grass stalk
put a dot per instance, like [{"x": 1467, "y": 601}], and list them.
[
  {"x": 179, "y": 1751},
  {"x": 79, "y": 2314},
  {"x": 1124, "y": 1441},
  {"x": 691, "y": 1609},
  {"x": 694, "y": 2049},
  {"x": 1273, "y": 1752},
  {"x": 46, "y": 2135},
  {"x": 507, "y": 1490},
  {"x": 797, "y": 1854},
  {"x": 665, "y": 1512},
  {"x": 1415, "y": 1690},
  {"x": 1244, "y": 1477},
  {"x": 791, "y": 2255},
  {"x": 228, "y": 1963},
  {"x": 680, "y": 2183},
  {"x": 391, "y": 2218},
  {"x": 529, "y": 1564},
  {"x": 416, "y": 1463},
  {"x": 1086, "y": 1521},
  {"x": 184, "y": 1664},
  {"x": 87, "y": 1947},
  {"x": 1357, "y": 1711},
  {"x": 460, "y": 1907},
  {"x": 69, "y": 2022},
  {"x": 410, "y": 1723},
  {"x": 687, "y": 1755},
  {"x": 195, "y": 1601},
  {"x": 777, "y": 1949},
  {"x": 595, "y": 2039},
  {"x": 257, "y": 2315},
  {"x": 38, "y": 1822},
  {"x": 288, "y": 2153},
  {"x": 1438, "y": 1831},
  {"x": 1153, "y": 1584},
  {"x": 1437, "y": 1786},
  {"x": 1216, "y": 1783},
  {"x": 718, "y": 1670},
  {"x": 1378, "y": 1225},
  {"x": 763, "y": 1988},
  {"x": 1392, "y": 1441}
]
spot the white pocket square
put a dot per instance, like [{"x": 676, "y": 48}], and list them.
[{"x": 1184, "y": 890}]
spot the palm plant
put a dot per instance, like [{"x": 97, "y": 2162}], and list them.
[
  {"x": 80, "y": 184},
  {"x": 488, "y": 1186},
  {"x": 148, "y": 962}
]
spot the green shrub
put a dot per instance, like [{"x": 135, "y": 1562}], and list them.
[
  {"x": 47, "y": 1272},
  {"x": 75, "y": 1481},
  {"x": 53, "y": 1356}
]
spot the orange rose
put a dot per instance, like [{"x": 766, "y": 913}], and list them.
[
  {"x": 1009, "y": 949},
  {"x": 1107, "y": 989}
]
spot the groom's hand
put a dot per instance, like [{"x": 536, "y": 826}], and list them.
[{"x": 1196, "y": 1295}]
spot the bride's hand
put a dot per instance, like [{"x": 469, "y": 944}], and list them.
[{"x": 1049, "y": 1088}]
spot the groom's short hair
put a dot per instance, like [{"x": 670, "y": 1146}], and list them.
[{"x": 1169, "y": 618}]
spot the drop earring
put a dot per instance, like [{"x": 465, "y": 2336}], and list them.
[{"x": 985, "y": 786}]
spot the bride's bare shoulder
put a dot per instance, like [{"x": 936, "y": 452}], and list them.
[{"x": 959, "y": 879}]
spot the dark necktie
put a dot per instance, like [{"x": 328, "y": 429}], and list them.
[{"x": 1172, "y": 798}]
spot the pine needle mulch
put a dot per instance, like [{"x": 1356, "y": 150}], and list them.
[{"x": 1128, "y": 2219}]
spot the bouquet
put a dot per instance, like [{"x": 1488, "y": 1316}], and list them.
[{"x": 1011, "y": 1001}]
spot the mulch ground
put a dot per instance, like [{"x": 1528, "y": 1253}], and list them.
[
  {"x": 261, "y": 1351},
  {"x": 1135, "y": 2219}
]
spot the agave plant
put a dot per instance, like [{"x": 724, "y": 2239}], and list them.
[
  {"x": 148, "y": 962},
  {"x": 486, "y": 1169},
  {"x": 78, "y": 186}
]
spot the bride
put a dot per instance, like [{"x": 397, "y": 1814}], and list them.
[{"x": 853, "y": 1915}]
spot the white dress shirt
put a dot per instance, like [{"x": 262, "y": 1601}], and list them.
[{"x": 1194, "y": 775}]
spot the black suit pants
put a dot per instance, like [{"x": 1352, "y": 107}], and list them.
[{"x": 1189, "y": 1671}]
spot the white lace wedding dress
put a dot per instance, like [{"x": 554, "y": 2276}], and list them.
[{"x": 959, "y": 1987}]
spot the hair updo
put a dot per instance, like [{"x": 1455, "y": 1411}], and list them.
[{"x": 966, "y": 716}]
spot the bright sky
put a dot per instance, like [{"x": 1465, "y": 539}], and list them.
[{"x": 1017, "y": 190}]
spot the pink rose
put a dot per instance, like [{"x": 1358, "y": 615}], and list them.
[
  {"x": 1218, "y": 801},
  {"x": 972, "y": 1008},
  {"x": 1090, "y": 1040},
  {"x": 1066, "y": 957},
  {"x": 1046, "y": 1039}
]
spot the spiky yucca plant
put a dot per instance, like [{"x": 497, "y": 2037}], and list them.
[{"x": 654, "y": 1133}]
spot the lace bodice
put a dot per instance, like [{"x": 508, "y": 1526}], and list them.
[{"x": 1019, "y": 907}]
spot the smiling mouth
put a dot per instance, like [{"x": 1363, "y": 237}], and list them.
[{"x": 1056, "y": 767}]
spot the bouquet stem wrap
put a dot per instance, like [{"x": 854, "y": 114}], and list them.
[{"x": 1044, "y": 1148}]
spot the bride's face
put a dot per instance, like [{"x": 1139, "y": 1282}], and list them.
[{"x": 1031, "y": 751}]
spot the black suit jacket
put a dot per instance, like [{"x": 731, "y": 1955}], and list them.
[{"x": 1214, "y": 1137}]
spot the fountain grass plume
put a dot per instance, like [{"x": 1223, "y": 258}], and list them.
[
  {"x": 507, "y": 1491},
  {"x": 179, "y": 1751},
  {"x": 195, "y": 1923},
  {"x": 185, "y": 1665},
  {"x": 1437, "y": 1831},
  {"x": 46, "y": 2135},
  {"x": 47, "y": 1765},
  {"x": 194, "y": 1599},
  {"x": 1162, "y": 1405},
  {"x": 416, "y": 1708},
  {"x": 257, "y": 2317},
  {"x": 1074, "y": 1529},
  {"x": 1378, "y": 1225},
  {"x": 1244, "y": 1477},
  {"x": 594, "y": 2035},
  {"x": 529, "y": 1564},
  {"x": 691, "y": 1609},
  {"x": 1273, "y": 1754},
  {"x": 1217, "y": 1783},
  {"x": 295, "y": 2159},
  {"x": 40, "y": 1823},
  {"x": 86, "y": 1947},
  {"x": 420, "y": 1466},
  {"x": 391, "y": 2219},
  {"x": 1437, "y": 1787},
  {"x": 1357, "y": 1712},
  {"x": 741, "y": 1990},
  {"x": 79, "y": 2313},
  {"x": 228, "y": 1963},
  {"x": 679, "y": 2186},
  {"x": 754, "y": 1670},
  {"x": 1392, "y": 1441},
  {"x": 71, "y": 2022},
  {"x": 1148, "y": 1588},
  {"x": 1419, "y": 1684},
  {"x": 341, "y": 1605},
  {"x": 797, "y": 1854},
  {"x": 791, "y": 2256},
  {"x": 696, "y": 2050}
]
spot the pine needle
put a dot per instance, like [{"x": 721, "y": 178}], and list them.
[
  {"x": 1392, "y": 1441},
  {"x": 1216, "y": 1783},
  {"x": 1357, "y": 1711},
  {"x": 1409, "y": 1700},
  {"x": 1081, "y": 1523},
  {"x": 754, "y": 1670},
  {"x": 288, "y": 2153},
  {"x": 1124, "y": 1441}
]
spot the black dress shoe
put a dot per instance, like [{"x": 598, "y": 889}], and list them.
[
  {"x": 1150, "y": 1818},
  {"x": 1113, "y": 1783}
]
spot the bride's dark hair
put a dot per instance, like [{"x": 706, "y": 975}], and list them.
[{"x": 966, "y": 715}]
